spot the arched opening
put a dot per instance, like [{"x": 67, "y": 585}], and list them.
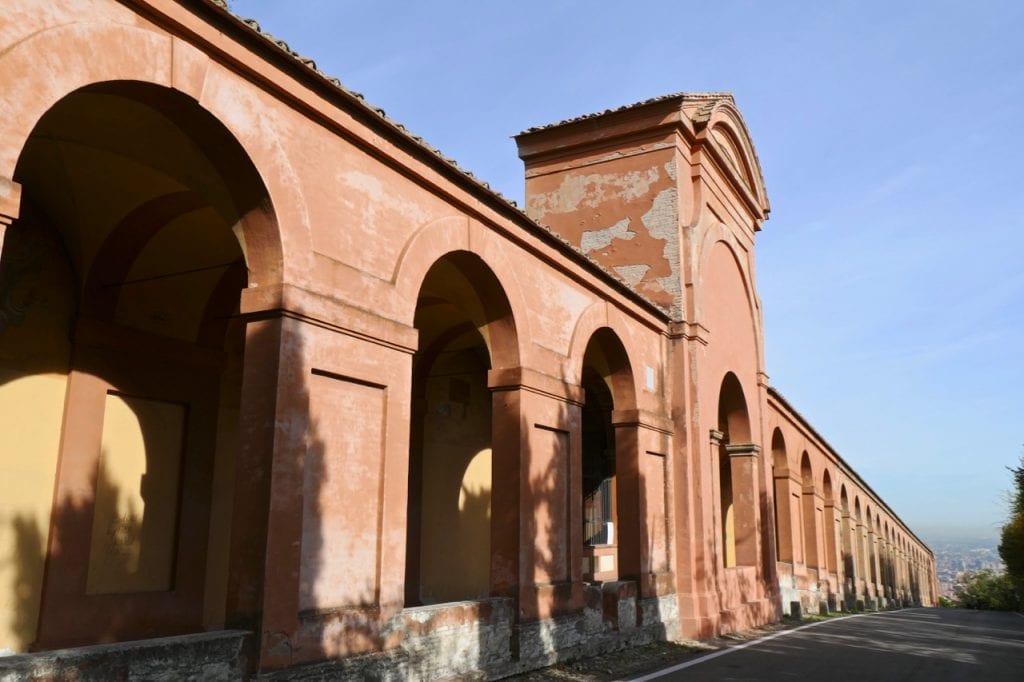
[
  {"x": 121, "y": 358},
  {"x": 886, "y": 555},
  {"x": 736, "y": 476},
  {"x": 830, "y": 527},
  {"x": 609, "y": 495},
  {"x": 903, "y": 567},
  {"x": 877, "y": 546},
  {"x": 465, "y": 328},
  {"x": 860, "y": 545},
  {"x": 891, "y": 559},
  {"x": 809, "y": 513},
  {"x": 846, "y": 539},
  {"x": 782, "y": 499},
  {"x": 871, "y": 574}
]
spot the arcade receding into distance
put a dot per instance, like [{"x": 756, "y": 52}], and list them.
[{"x": 281, "y": 382}]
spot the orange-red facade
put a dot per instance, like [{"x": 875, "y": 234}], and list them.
[{"x": 270, "y": 362}]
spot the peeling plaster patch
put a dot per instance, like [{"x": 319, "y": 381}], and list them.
[
  {"x": 558, "y": 308},
  {"x": 663, "y": 223},
  {"x": 670, "y": 168},
  {"x": 631, "y": 274},
  {"x": 590, "y": 191},
  {"x": 599, "y": 239},
  {"x": 377, "y": 193}
]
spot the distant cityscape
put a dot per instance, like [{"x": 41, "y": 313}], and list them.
[{"x": 955, "y": 555}]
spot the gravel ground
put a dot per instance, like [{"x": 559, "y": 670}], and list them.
[{"x": 636, "y": 661}]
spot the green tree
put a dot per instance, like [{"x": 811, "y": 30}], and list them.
[
  {"x": 985, "y": 589},
  {"x": 1011, "y": 546},
  {"x": 1016, "y": 495}
]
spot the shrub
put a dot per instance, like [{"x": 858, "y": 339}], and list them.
[{"x": 986, "y": 589}]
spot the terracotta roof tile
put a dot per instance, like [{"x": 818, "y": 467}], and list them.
[
  {"x": 711, "y": 99},
  {"x": 360, "y": 99}
]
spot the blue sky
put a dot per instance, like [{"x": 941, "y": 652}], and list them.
[{"x": 890, "y": 134}]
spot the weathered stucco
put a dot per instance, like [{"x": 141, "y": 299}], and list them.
[{"x": 270, "y": 362}]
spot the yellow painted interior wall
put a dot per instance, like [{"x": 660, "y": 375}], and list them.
[
  {"x": 456, "y": 519},
  {"x": 31, "y": 410},
  {"x": 35, "y": 312},
  {"x": 728, "y": 510},
  {"x": 135, "y": 519},
  {"x": 729, "y": 521},
  {"x": 83, "y": 171}
]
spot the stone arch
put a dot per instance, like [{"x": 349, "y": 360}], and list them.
[
  {"x": 598, "y": 315},
  {"x": 462, "y": 279},
  {"x": 733, "y": 416},
  {"x": 159, "y": 221},
  {"x": 806, "y": 472},
  {"x": 826, "y": 485},
  {"x": 779, "y": 457},
  {"x": 722, "y": 267},
  {"x": 724, "y": 118},
  {"x": 457, "y": 234},
  {"x": 607, "y": 356},
  {"x": 717, "y": 234},
  {"x": 134, "y": 58},
  {"x": 466, "y": 329}
]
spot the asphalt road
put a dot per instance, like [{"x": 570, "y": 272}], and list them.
[{"x": 925, "y": 645}]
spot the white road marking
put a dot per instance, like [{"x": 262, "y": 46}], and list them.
[{"x": 722, "y": 652}]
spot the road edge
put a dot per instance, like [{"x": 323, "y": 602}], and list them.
[{"x": 722, "y": 652}]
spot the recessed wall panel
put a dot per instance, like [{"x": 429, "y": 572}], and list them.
[
  {"x": 134, "y": 528},
  {"x": 342, "y": 493}
]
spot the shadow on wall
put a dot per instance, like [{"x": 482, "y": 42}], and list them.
[
  {"x": 849, "y": 577},
  {"x": 138, "y": 292},
  {"x": 30, "y": 552},
  {"x": 555, "y": 521},
  {"x": 33, "y": 369},
  {"x": 69, "y": 516},
  {"x": 336, "y": 560},
  {"x": 768, "y": 519}
]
